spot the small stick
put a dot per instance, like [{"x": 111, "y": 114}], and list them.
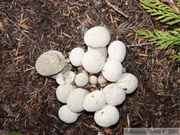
[{"x": 115, "y": 8}]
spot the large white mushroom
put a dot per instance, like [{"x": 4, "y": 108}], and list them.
[
  {"x": 97, "y": 36},
  {"x": 75, "y": 99},
  {"x": 94, "y": 101},
  {"x": 112, "y": 70},
  {"x": 117, "y": 51},
  {"x": 114, "y": 94},
  {"x": 66, "y": 115},
  {"x": 75, "y": 56},
  {"x": 128, "y": 82},
  {"x": 93, "y": 61},
  {"x": 63, "y": 91},
  {"x": 107, "y": 116},
  {"x": 102, "y": 50},
  {"x": 50, "y": 63}
]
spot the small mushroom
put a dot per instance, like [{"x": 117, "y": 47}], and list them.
[
  {"x": 94, "y": 101},
  {"x": 97, "y": 36},
  {"x": 63, "y": 91},
  {"x": 93, "y": 80},
  {"x": 128, "y": 82},
  {"x": 81, "y": 79},
  {"x": 66, "y": 115},
  {"x": 117, "y": 51},
  {"x": 101, "y": 80},
  {"x": 69, "y": 77},
  {"x": 93, "y": 61},
  {"x": 75, "y": 99},
  {"x": 107, "y": 116},
  {"x": 112, "y": 70},
  {"x": 50, "y": 63},
  {"x": 114, "y": 94},
  {"x": 60, "y": 79},
  {"x": 75, "y": 56}
]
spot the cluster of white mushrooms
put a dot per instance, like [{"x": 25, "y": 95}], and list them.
[{"x": 100, "y": 82}]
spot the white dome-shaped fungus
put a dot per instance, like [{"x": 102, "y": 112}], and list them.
[
  {"x": 50, "y": 63},
  {"x": 81, "y": 79},
  {"x": 60, "y": 79},
  {"x": 107, "y": 116},
  {"x": 63, "y": 91},
  {"x": 67, "y": 115},
  {"x": 117, "y": 51},
  {"x": 93, "y": 79},
  {"x": 102, "y": 50},
  {"x": 97, "y": 36},
  {"x": 114, "y": 94},
  {"x": 128, "y": 82},
  {"x": 75, "y": 56},
  {"x": 94, "y": 101},
  {"x": 93, "y": 61},
  {"x": 101, "y": 80},
  {"x": 112, "y": 70},
  {"x": 75, "y": 99},
  {"x": 69, "y": 77}
]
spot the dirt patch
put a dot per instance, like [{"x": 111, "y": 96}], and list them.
[{"x": 30, "y": 27}]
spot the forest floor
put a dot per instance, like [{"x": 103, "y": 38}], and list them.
[{"x": 28, "y": 103}]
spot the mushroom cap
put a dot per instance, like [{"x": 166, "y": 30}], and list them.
[
  {"x": 102, "y": 50},
  {"x": 63, "y": 91},
  {"x": 106, "y": 116},
  {"x": 114, "y": 94},
  {"x": 97, "y": 36},
  {"x": 50, "y": 63},
  {"x": 75, "y": 56},
  {"x": 81, "y": 79},
  {"x": 117, "y": 51},
  {"x": 60, "y": 79},
  {"x": 75, "y": 99},
  {"x": 93, "y": 79},
  {"x": 69, "y": 77},
  {"x": 67, "y": 115},
  {"x": 94, "y": 101},
  {"x": 101, "y": 80},
  {"x": 128, "y": 82},
  {"x": 112, "y": 70},
  {"x": 93, "y": 61}
]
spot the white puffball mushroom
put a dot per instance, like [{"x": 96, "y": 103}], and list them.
[
  {"x": 128, "y": 82},
  {"x": 75, "y": 56},
  {"x": 93, "y": 79},
  {"x": 66, "y": 115},
  {"x": 114, "y": 94},
  {"x": 102, "y": 50},
  {"x": 107, "y": 116},
  {"x": 101, "y": 80},
  {"x": 94, "y": 101},
  {"x": 81, "y": 79},
  {"x": 63, "y": 91},
  {"x": 69, "y": 77},
  {"x": 50, "y": 63},
  {"x": 97, "y": 36},
  {"x": 75, "y": 99},
  {"x": 117, "y": 51},
  {"x": 112, "y": 70},
  {"x": 60, "y": 79},
  {"x": 93, "y": 61}
]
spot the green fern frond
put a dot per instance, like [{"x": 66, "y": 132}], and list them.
[
  {"x": 163, "y": 12},
  {"x": 175, "y": 57},
  {"x": 164, "y": 39}
]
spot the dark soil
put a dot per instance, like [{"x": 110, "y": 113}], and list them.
[{"x": 28, "y": 28}]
